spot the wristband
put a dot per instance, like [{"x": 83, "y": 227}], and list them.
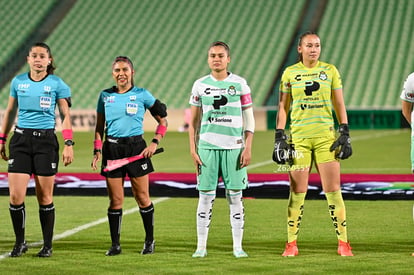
[
  {"x": 3, "y": 138},
  {"x": 97, "y": 144},
  {"x": 161, "y": 130},
  {"x": 67, "y": 134}
]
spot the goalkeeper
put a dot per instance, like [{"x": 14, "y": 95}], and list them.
[{"x": 310, "y": 89}]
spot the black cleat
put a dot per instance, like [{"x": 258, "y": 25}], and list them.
[
  {"x": 18, "y": 250},
  {"x": 45, "y": 252},
  {"x": 114, "y": 250},
  {"x": 149, "y": 247}
]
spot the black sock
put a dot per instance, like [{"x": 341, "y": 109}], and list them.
[
  {"x": 147, "y": 215},
  {"x": 115, "y": 221},
  {"x": 47, "y": 221},
  {"x": 18, "y": 217}
]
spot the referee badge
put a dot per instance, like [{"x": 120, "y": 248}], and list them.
[
  {"x": 323, "y": 76},
  {"x": 231, "y": 90}
]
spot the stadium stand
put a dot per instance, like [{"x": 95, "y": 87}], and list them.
[
  {"x": 370, "y": 41},
  {"x": 168, "y": 41}
]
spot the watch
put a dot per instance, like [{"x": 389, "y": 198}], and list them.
[
  {"x": 156, "y": 141},
  {"x": 69, "y": 142}
]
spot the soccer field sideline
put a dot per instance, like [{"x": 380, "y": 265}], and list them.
[
  {"x": 364, "y": 137},
  {"x": 77, "y": 229}
]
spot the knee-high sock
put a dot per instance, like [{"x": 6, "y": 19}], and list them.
[
  {"x": 338, "y": 215},
  {"x": 47, "y": 221},
  {"x": 147, "y": 215},
  {"x": 115, "y": 222},
  {"x": 204, "y": 212},
  {"x": 235, "y": 200},
  {"x": 18, "y": 217},
  {"x": 295, "y": 212}
]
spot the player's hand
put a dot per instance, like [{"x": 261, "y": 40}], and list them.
[
  {"x": 3, "y": 152},
  {"x": 95, "y": 160},
  {"x": 281, "y": 150},
  {"x": 67, "y": 155},
  {"x": 344, "y": 142}
]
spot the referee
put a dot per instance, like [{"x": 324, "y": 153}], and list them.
[{"x": 34, "y": 148}]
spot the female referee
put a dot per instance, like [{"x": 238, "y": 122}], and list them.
[
  {"x": 310, "y": 89},
  {"x": 34, "y": 148},
  {"x": 120, "y": 112}
]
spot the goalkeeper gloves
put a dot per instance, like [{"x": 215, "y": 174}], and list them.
[
  {"x": 281, "y": 152},
  {"x": 344, "y": 142}
]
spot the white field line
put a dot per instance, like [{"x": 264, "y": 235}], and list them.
[
  {"x": 365, "y": 137},
  {"x": 75, "y": 230}
]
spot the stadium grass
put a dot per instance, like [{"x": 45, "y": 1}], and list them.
[
  {"x": 374, "y": 152},
  {"x": 380, "y": 231},
  {"x": 382, "y": 240}
]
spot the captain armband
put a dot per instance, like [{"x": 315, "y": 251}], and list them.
[
  {"x": 158, "y": 109},
  {"x": 248, "y": 120}
]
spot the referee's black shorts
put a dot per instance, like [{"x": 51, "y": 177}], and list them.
[
  {"x": 34, "y": 152},
  {"x": 118, "y": 148}
]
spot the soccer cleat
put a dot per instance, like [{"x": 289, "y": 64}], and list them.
[
  {"x": 344, "y": 249},
  {"x": 45, "y": 252},
  {"x": 18, "y": 250},
  {"x": 200, "y": 253},
  {"x": 149, "y": 247},
  {"x": 114, "y": 250},
  {"x": 239, "y": 253},
  {"x": 291, "y": 249}
]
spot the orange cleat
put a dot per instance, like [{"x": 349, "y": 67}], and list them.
[
  {"x": 344, "y": 249},
  {"x": 291, "y": 249}
]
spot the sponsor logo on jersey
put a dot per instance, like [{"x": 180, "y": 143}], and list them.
[
  {"x": 23, "y": 86},
  {"x": 311, "y": 106},
  {"x": 219, "y": 100},
  {"x": 219, "y": 119}
]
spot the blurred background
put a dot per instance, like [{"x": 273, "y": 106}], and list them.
[{"x": 370, "y": 41}]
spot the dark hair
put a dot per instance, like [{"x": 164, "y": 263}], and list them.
[
  {"x": 300, "y": 57},
  {"x": 222, "y": 44},
  {"x": 122, "y": 58},
  {"x": 51, "y": 66}
]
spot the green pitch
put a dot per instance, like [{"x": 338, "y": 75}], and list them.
[
  {"x": 382, "y": 240},
  {"x": 375, "y": 152},
  {"x": 381, "y": 232}
]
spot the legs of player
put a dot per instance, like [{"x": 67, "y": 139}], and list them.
[
  {"x": 44, "y": 194},
  {"x": 140, "y": 189},
  {"x": 204, "y": 212},
  {"x": 298, "y": 189},
  {"x": 17, "y": 189},
  {"x": 235, "y": 201},
  {"x": 330, "y": 178},
  {"x": 115, "y": 188}
]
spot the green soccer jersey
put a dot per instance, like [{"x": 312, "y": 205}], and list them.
[
  {"x": 221, "y": 102},
  {"x": 311, "y": 91}
]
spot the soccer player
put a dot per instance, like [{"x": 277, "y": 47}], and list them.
[
  {"x": 221, "y": 133},
  {"x": 407, "y": 101},
  {"x": 120, "y": 114},
  {"x": 34, "y": 148},
  {"x": 310, "y": 89}
]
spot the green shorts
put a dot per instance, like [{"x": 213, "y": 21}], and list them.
[
  {"x": 224, "y": 164},
  {"x": 308, "y": 149}
]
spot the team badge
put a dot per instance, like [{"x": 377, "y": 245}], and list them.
[
  {"x": 231, "y": 90},
  {"x": 323, "y": 76}
]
